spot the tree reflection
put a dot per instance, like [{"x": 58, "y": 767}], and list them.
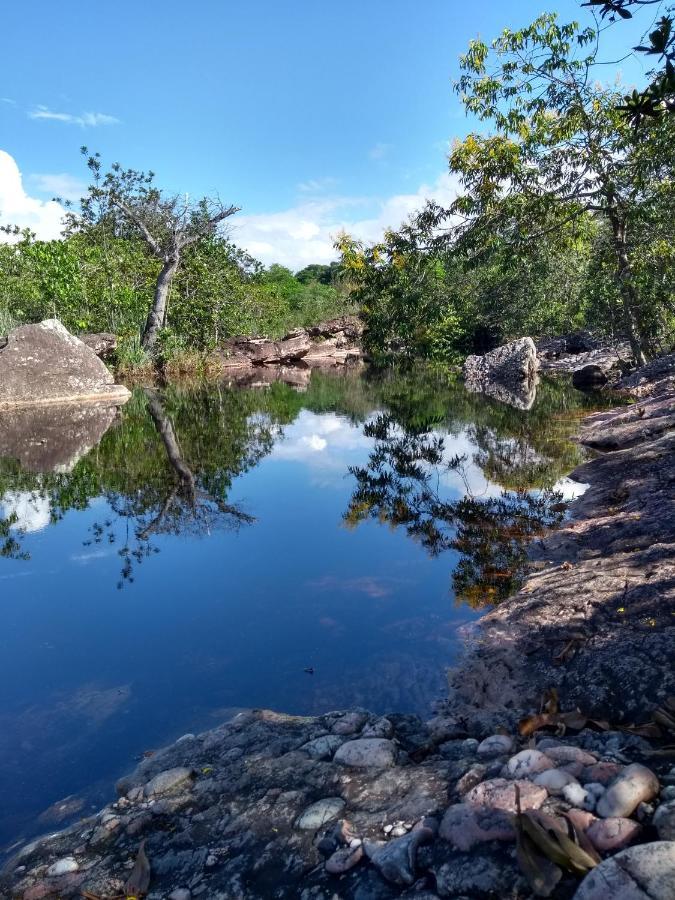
[{"x": 400, "y": 486}]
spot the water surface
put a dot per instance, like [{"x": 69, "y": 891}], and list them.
[{"x": 207, "y": 549}]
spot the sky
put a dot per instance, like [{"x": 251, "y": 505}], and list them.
[{"x": 311, "y": 116}]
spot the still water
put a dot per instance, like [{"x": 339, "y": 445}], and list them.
[{"x": 212, "y": 548}]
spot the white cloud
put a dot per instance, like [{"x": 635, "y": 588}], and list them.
[
  {"x": 85, "y": 120},
  {"x": 317, "y": 185},
  {"x": 59, "y": 185},
  {"x": 379, "y": 151},
  {"x": 305, "y": 233},
  {"x": 8, "y": 100},
  {"x": 32, "y": 511},
  {"x": 17, "y": 208}
]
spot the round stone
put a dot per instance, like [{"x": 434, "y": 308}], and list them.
[
  {"x": 320, "y": 812},
  {"x": 495, "y": 745}
]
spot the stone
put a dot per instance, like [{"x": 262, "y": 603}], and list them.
[
  {"x": 62, "y": 867},
  {"x": 44, "y": 363},
  {"x": 344, "y": 859},
  {"x": 581, "y": 818},
  {"x": 396, "y": 860},
  {"x": 565, "y": 754},
  {"x": 602, "y": 773},
  {"x": 351, "y": 723},
  {"x": 634, "y": 785},
  {"x": 577, "y": 796},
  {"x": 589, "y": 376},
  {"x": 323, "y": 747},
  {"x": 375, "y": 752},
  {"x": 464, "y": 826},
  {"x": 470, "y": 779},
  {"x": 476, "y": 876},
  {"x": 380, "y": 728},
  {"x": 180, "y": 894},
  {"x": 511, "y": 364},
  {"x": 645, "y": 872},
  {"x": 664, "y": 821},
  {"x": 495, "y": 745},
  {"x": 498, "y": 793},
  {"x": 170, "y": 781},
  {"x": 554, "y": 780},
  {"x": 320, "y": 812},
  {"x": 613, "y": 834},
  {"x": 528, "y": 762},
  {"x": 103, "y": 344}
]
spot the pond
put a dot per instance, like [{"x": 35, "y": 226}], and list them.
[{"x": 212, "y": 548}]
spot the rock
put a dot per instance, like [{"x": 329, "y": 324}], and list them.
[
  {"x": 602, "y": 772},
  {"x": 323, "y": 747},
  {"x": 634, "y": 785},
  {"x": 564, "y": 754},
  {"x": 464, "y": 826},
  {"x": 396, "y": 860},
  {"x": 579, "y": 797},
  {"x": 169, "y": 782},
  {"x": 511, "y": 364},
  {"x": 320, "y": 812},
  {"x": 351, "y": 723},
  {"x": 376, "y": 752},
  {"x": 476, "y": 876},
  {"x": 180, "y": 894},
  {"x": 554, "y": 780},
  {"x": 344, "y": 859},
  {"x": 613, "y": 834},
  {"x": 103, "y": 344},
  {"x": 62, "y": 867},
  {"x": 581, "y": 818},
  {"x": 528, "y": 762},
  {"x": 44, "y": 363},
  {"x": 589, "y": 377},
  {"x": 498, "y": 793},
  {"x": 495, "y": 745},
  {"x": 470, "y": 779},
  {"x": 380, "y": 728},
  {"x": 645, "y": 872},
  {"x": 664, "y": 821}
]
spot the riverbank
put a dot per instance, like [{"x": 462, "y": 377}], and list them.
[{"x": 233, "y": 812}]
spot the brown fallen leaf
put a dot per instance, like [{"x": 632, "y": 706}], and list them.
[{"x": 138, "y": 882}]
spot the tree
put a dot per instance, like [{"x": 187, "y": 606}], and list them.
[
  {"x": 127, "y": 199},
  {"x": 560, "y": 150}
]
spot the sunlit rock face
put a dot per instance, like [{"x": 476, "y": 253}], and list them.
[
  {"x": 52, "y": 438},
  {"x": 514, "y": 365}
]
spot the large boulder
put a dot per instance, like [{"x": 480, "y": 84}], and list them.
[
  {"x": 44, "y": 363},
  {"x": 102, "y": 343},
  {"x": 512, "y": 365}
]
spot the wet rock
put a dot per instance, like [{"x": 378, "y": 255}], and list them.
[
  {"x": 495, "y": 745},
  {"x": 464, "y": 826},
  {"x": 62, "y": 867},
  {"x": 554, "y": 780},
  {"x": 528, "y": 762},
  {"x": 396, "y": 860},
  {"x": 169, "y": 782},
  {"x": 664, "y": 821},
  {"x": 44, "y": 363},
  {"x": 645, "y": 872},
  {"x": 351, "y": 723},
  {"x": 344, "y": 859},
  {"x": 320, "y": 812},
  {"x": 323, "y": 747},
  {"x": 634, "y": 785},
  {"x": 498, "y": 793},
  {"x": 375, "y": 752},
  {"x": 613, "y": 834}
]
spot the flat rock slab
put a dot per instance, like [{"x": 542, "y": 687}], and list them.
[{"x": 44, "y": 363}]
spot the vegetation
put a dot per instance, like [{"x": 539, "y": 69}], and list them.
[{"x": 564, "y": 218}]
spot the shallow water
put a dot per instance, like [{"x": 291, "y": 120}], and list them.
[{"x": 202, "y": 552}]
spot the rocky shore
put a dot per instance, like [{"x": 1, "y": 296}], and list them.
[{"x": 549, "y": 771}]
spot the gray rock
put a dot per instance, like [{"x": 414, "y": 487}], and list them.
[
  {"x": 565, "y": 754},
  {"x": 380, "y": 728},
  {"x": 344, "y": 859},
  {"x": 103, "y": 344},
  {"x": 320, "y": 812},
  {"x": 46, "y": 364},
  {"x": 464, "y": 826},
  {"x": 351, "y": 723},
  {"x": 664, "y": 821},
  {"x": 180, "y": 894},
  {"x": 62, "y": 867},
  {"x": 498, "y": 793},
  {"x": 526, "y": 763},
  {"x": 396, "y": 860},
  {"x": 511, "y": 364},
  {"x": 495, "y": 745},
  {"x": 634, "y": 785},
  {"x": 645, "y": 872},
  {"x": 554, "y": 780},
  {"x": 476, "y": 876},
  {"x": 323, "y": 747},
  {"x": 578, "y": 796},
  {"x": 376, "y": 752},
  {"x": 169, "y": 782}
]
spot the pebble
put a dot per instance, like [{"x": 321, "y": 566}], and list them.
[
  {"x": 495, "y": 745},
  {"x": 664, "y": 821},
  {"x": 376, "y": 752},
  {"x": 62, "y": 867},
  {"x": 528, "y": 762},
  {"x": 564, "y": 754},
  {"x": 554, "y": 780},
  {"x": 581, "y": 818},
  {"x": 634, "y": 785},
  {"x": 344, "y": 859},
  {"x": 350, "y": 723},
  {"x": 498, "y": 793},
  {"x": 169, "y": 781},
  {"x": 602, "y": 772},
  {"x": 577, "y": 796},
  {"x": 613, "y": 834},
  {"x": 464, "y": 826},
  {"x": 645, "y": 872},
  {"x": 320, "y": 812}
]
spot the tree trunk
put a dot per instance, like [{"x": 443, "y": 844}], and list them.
[
  {"x": 157, "y": 314},
  {"x": 624, "y": 274}
]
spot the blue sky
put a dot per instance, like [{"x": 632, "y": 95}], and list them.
[{"x": 311, "y": 116}]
